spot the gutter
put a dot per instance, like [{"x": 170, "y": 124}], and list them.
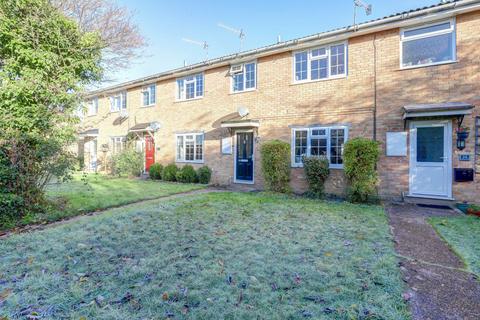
[{"x": 398, "y": 21}]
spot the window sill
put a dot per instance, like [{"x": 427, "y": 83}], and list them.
[
  {"x": 332, "y": 167},
  {"x": 427, "y": 65},
  {"x": 148, "y": 106},
  {"x": 187, "y": 100},
  {"x": 185, "y": 161},
  {"x": 91, "y": 115},
  {"x": 318, "y": 80},
  {"x": 244, "y": 91}
]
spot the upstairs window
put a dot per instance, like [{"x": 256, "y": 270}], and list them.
[
  {"x": 118, "y": 102},
  {"x": 190, "y": 87},
  {"x": 319, "y": 141},
  {"x": 428, "y": 45},
  {"x": 92, "y": 107},
  {"x": 321, "y": 63},
  {"x": 244, "y": 77},
  {"x": 149, "y": 95},
  {"x": 190, "y": 147}
]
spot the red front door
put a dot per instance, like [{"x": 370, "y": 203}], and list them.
[{"x": 149, "y": 152}]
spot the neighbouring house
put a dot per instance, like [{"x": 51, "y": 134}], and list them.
[{"x": 409, "y": 80}]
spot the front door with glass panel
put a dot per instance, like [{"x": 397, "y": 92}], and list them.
[
  {"x": 244, "y": 157},
  {"x": 430, "y": 159},
  {"x": 93, "y": 154}
]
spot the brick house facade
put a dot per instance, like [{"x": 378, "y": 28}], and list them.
[{"x": 368, "y": 101}]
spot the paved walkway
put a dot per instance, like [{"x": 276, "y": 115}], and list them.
[
  {"x": 439, "y": 286},
  {"x": 35, "y": 227}
]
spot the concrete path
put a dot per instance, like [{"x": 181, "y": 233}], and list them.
[
  {"x": 439, "y": 286},
  {"x": 35, "y": 227}
]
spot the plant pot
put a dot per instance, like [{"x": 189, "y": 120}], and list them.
[
  {"x": 462, "y": 135},
  {"x": 463, "y": 207}
]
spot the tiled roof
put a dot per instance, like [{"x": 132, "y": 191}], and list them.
[{"x": 446, "y": 4}]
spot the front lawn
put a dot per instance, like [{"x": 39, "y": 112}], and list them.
[
  {"x": 95, "y": 192},
  {"x": 463, "y": 236},
  {"x": 210, "y": 256}
]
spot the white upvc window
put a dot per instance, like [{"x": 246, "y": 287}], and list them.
[
  {"x": 319, "y": 141},
  {"x": 244, "y": 77},
  {"x": 149, "y": 95},
  {"x": 118, "y": 144},
  {"x": 320, "y": 63},
  {"x": 92, "y": 106},
  {"x": 190, "y": 87},
  {"x": 427, "y": 45},
  {"x": 118, "y": 101},
  {"x": 190, "y": 147}
]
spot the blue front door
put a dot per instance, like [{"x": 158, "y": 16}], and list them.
[{"x": 244, "y": 165}]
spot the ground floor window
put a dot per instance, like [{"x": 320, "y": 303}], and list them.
[
  {"x": 319, "y": 141},
  {"x": 190, "y": 147},
  {"x": 118, "y": 144}
]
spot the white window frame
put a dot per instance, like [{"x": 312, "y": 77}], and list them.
[
  {"x": 182, "y": 96},
  {"x": 309, "y": 62},
  {"x": 244, "y": 71},
  {"x": 451, "y": 30},
  {"x": 122, "y": 140},
  {"x": 92, "y": 107},
  {"x": 148, "y": 89},
  {"x": 122, "y": 95},
  {"x": 309, "y": 143},
  {"x": 184, "y": 135}
]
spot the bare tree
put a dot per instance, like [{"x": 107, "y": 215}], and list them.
[{"x": 121, "y": 37}]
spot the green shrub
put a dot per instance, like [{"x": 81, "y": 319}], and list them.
[
  {"x": 169, "y": 172},
  {"x": 10, "y": 205},
  {"x": 360, "y": 160},
  {"x": 155, "y": 171},
  {"x": 187, "y": 174},
  {"x": 276, "y": 165},
  {"x": 204, "y": 174},
  {"x": 127, "y": 163},
  {"x": 316, "y": 171}
]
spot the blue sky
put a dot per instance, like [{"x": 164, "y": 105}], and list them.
[{"x": 165, "y": 23}]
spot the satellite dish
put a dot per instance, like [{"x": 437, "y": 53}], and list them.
[
  {"x": 242, "y": 111},
  {"x": 155, "y": 126}
]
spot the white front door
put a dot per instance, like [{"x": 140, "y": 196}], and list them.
[
  {"x": 431, "y": 159},
  {"x": 93, "y": 155}
]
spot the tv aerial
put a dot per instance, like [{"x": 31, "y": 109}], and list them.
[
  {"x": 360, "y": 4},
  {"x": 240, "y": 33},
  {"x": 202, "y": 44}
]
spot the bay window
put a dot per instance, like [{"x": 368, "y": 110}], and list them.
[
  {"x": 320, "y": 63},
  {"x": 319, "y": 141},
  {"x": 190, "y": 147},
  {"x": 190, "y": 87},
  {"x": 428, "y": 45}
]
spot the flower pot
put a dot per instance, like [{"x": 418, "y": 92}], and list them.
[{"x": 463, "y": 207}]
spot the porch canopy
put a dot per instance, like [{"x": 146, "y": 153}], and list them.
[
  {"x": 452, "y": 109},
  {"x": 231, "y": 124},
  {"x": 145, "y": 127},
  {"x": 89, "y": 133}
]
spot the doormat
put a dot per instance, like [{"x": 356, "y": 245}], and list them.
[{"x": 434, "y": 206}]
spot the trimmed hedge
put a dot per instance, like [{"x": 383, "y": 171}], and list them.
[
  {"x": 360, "y": 158},
  {"x": 316, "y": 171},
  {"x": 204, "y": 174},
  {"x": 276, "y": 165},
  {"x": 155, "y": 171},
  {"x": 187, "y": 174},
  {"x": 169, "y": 172}
]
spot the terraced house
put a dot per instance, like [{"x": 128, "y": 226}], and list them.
[{"x": 410, "y": 80}]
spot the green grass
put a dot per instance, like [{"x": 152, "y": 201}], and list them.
[
  {"x": 211, "y": 256},
  {"x": 96, "y": 192},
  {"x": 463, "y": 236}
]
